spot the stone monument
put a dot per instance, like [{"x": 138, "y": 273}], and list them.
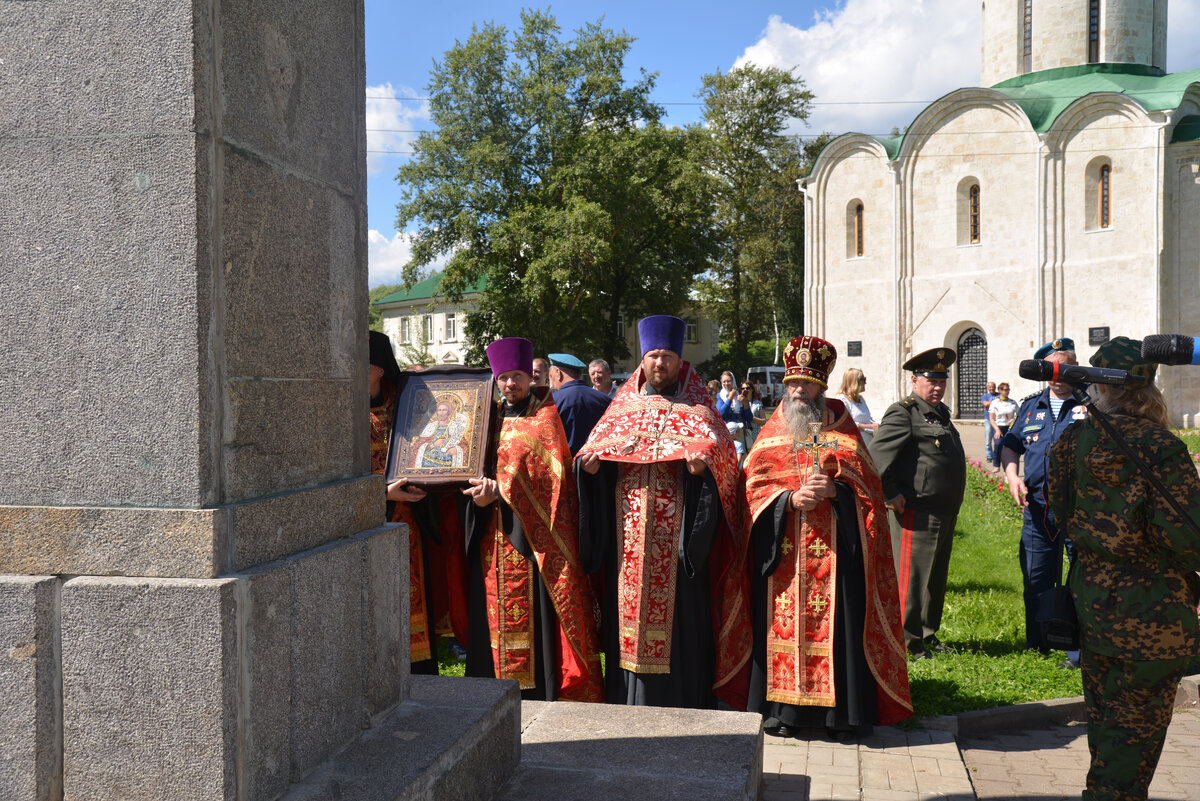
[{"x": 199, "y": 597}]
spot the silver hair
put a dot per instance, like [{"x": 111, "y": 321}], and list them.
[{"x": 599, "y": 363}]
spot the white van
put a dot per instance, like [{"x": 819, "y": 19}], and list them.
[{"x": 768, "y": 383}]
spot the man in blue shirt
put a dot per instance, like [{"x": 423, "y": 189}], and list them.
[
  {"x": 578, "y": 404},
  {"x": 988, "y": 434},
  {"x": 1040, "y": 421}
]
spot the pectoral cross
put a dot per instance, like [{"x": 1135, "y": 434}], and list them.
[{"x": 814, "y": 445}]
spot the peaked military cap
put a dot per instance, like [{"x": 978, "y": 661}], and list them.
[
  {"x": 1062, "y": 343},
  {"x": 932, "y": 363}
]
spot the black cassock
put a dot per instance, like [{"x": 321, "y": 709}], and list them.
[
  {"x": 854, "y": 684},
  {"x": 693, "y": 651}
]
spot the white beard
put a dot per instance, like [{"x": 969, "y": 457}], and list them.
[{"x": 800, "y": 413}]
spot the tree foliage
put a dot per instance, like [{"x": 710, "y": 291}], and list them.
[
  {"x": 554, "y": 179},
  {"x": 756, "y": 285},
  {"x": 374, "y": 316}
]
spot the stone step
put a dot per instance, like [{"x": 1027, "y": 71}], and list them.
[
  {"x": 454, "y": 739},
  {"x": 585, "y": 752}
]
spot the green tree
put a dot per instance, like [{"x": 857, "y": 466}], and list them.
[
  {"x": 754, "y": 289},
  {"x": 374, "y": 316},
  {"x": 554, "y": 179}
]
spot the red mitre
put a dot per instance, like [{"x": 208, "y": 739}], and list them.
[{"x": 810, "y": 358}]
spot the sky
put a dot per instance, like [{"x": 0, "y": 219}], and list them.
[{"x": 871, "y": 64}]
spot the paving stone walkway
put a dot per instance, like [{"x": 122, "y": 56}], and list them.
[{"x": 1046, "y": 763}]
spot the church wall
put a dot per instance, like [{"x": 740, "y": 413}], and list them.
[
  {"x": 1000, "y": 41},
  {"x": 1109, "y": 276},
  {"x": 1060, "y": 34},
  {"x": 1181, "y": 281},
  {"x": 955, "y": 284},
  {"x": 1134, "y": 32},
  {"x": 856, "y": 294}
]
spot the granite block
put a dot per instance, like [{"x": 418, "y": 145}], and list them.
[
  {"x": 293, "y": 84},
  {"x": 293, "y": 240},
  {"x": 168, "y": 543},
  {"x": 385, "y": 619},
  {"x": 274, "y": 527},
  {"x": 98, "y": 322},
  {"x": 97, "y": 68},
  {"x": 269, "y": 451},
  {"x": 150, "y": 689},
  {"x": 30, "y": 700},
  {"x": 454, "y": 740},
  {"x": 328, "y": 693},
  {"x": 267, "y": 658}
]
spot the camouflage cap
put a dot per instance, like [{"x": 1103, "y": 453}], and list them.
[{"x": 1123, "y": 353}]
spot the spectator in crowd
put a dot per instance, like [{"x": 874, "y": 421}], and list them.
[
  {"x": 734, "y": 410},
  {"x": 1001, "y": 413},
  {"x": 854, "y": 384},
  {"x": 985, "y": 400},
  {"x": 714, "y": 389},
  {"x": 579, "y": 406},
  {"x": 757, "y": 413},
  {"x": 541, "y": 372},
  {"x": 1134, "y": 580},
  {"x": 601, "y": 375}
]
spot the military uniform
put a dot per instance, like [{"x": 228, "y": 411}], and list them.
[
  {"x": 1034, "y": 430},
  {"x": 1134, "y": 582},
  {"x": 918, "y": 453}
]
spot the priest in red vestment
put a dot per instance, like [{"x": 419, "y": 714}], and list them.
[
  {"x": 828, "y": 647},
  {"x": 661, "y": 516},
  {"x": 436, "y": 569},
  {"x": 532, "y": 610}
]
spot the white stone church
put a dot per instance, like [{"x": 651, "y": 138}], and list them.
[{"x": 1063, "y": 201}]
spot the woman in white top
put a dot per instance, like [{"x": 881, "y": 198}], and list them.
[
  {"x": 1002, "y": 411},
  {"x": 854, "y": 383}
]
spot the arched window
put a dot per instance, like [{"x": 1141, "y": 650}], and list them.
[
  {"x": 1098, "y": 197},
  {"x": 1027, "y": 38},
  {"x": 971, "y": 373},
  {"x": 1104, "y": 198},
  {"x": 969, "y": 222},
  {"x": 1093, "y": 31},
  {"x": 855, "y": 233}
]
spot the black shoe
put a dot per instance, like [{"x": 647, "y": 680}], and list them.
[
  {"x": 922, "y": 654},
  {"x": 934, "y": 644}
]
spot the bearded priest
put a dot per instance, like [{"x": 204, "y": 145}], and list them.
[
  {"x": 828, "y": 647},
  {"x": 660, "y": 515},
  {"x": 532, "y": 610}
]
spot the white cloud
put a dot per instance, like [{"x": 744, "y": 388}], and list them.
[
  {"x": 860, "y": 58},
  {"x": 882, "y": 50},
  {"x": 386, "y": 257},
  {"x": 392, "y": 123}
]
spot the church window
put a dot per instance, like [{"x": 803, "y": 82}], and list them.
[
  {"x": 405, "y": 330},
  {"x": 1098, "y": 197},
  {"x": 855, "y": 236},
  {"x": 1027, "y": 37},
  {"x": 1093, "y": 31},
  {"x": 1104, "y": 198},
  {"x": 969, "y": 225}
]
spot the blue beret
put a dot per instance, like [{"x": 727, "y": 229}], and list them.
[
  {"x": 1051, "y": 347},
  {"x": 566, "y": 360},
  {"x": 661, "y": 332}
]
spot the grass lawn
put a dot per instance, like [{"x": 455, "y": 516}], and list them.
[{"x": 984, "y": 618}]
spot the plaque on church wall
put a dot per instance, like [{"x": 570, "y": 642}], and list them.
[
  {"x": 854, "y": 347},
  {"x": 1098, "y": 336},
  {"x": 440, "y": 432}
]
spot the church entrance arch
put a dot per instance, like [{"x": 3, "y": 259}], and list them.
[{"x": 971, "y": 376}]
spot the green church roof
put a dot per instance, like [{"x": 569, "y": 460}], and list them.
[
  {"x": 1046, "y": 94},
  {"x": 426, "y": 289}
]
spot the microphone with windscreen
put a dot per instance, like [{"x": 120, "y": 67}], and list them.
[
  {"x": 1042, "y": 370},
  {"x": 1170, "y": 349}
]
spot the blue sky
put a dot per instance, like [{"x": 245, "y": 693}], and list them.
[{"x": 872, "y": 64}]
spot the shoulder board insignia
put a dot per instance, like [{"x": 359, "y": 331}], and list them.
[
  {"x": 1031, "y": 396},
  {"x": 907, "y": 402}
]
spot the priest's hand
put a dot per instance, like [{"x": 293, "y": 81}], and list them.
[
  {"x": 816, "y": 489},
  {"x": 400, "y": 491},
  {"x": 895, "y": 504},
  {"x": 483, "y": 491},
  {"x": 696, "y": 465},
  {"x": 590, "y": 462}
]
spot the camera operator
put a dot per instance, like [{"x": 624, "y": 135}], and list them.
[{"x": 1134, "y": 580}]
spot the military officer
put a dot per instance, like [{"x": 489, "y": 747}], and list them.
[
  {"x": 579, "y": 406},
  {"x": 1040, "y": 421},
  {"x": 920, "y": 459}
]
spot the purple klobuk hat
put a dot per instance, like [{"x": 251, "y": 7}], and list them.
[
  {"x": 661, "y": 332},
  {"x": 510, "y": 353}
]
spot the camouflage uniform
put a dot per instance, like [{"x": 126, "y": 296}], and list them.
[{"x": 1135, "y": 589}]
